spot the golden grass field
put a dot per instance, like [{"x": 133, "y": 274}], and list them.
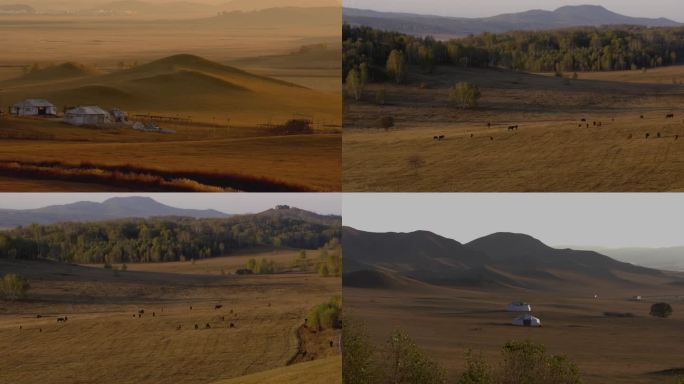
[
  {"x": 227, "y": 80},
  {"x": 104, "y": 341},
  {"x": 447, "y": 322},
  {"x": 549, "y": 152}
]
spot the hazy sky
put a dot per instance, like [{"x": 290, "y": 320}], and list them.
[
  {"x": 324, "y": 203},
  {"x": 467, "y": 8},
  {"x": 609, "y": 220}
]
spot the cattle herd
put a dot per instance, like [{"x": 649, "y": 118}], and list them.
[
  {"x": 583, "y": 123},
  {"x": 141, "y": 312}
]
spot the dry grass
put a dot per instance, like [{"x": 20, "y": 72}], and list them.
[
  {"x": 547, "y": 153},
  {"x": 103, "y": 342},
  {"x": 324, "y": 371}
]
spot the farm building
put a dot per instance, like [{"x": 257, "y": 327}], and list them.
[
  {"x": 118, "y": 115},
  {"x": 90, "y": 115},
  {"x": 527, "y": 321},
  {"x": 33, "y": 107},
  {"x": 519, "y": 306}
]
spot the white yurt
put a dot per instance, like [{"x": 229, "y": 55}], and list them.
[
  {"x": 33, "y": 107},
  {"x": 519, "y": 306},
  {"x": 527, "y": 321},
  {"x": 88, "y": 115}
]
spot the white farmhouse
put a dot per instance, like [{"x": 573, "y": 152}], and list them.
[
  {"x": 87, "y": 115},
  {"x": 33, "y": 107}
]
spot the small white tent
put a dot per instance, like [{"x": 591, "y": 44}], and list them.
[
  {"x": 519, "y": 306},
  {"x": 527, "y": 321},
  {"x": 33, "y": 107},
  {"x": 87, "y": 116}
]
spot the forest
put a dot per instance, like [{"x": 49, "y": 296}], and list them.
[
  {"x": 564, "y": 50},
  {"x": 162, "y": 239}
]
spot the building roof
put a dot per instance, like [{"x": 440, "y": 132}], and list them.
[
  {"x": 34, "y": 103},
  {"x": 87, "y": 110}
]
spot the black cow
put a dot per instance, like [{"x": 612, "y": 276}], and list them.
[
  {"x": 648, "y": 135},
  {"x": 669, "y": 116},
  {"x": 218, "y": 306},
  {"x": 442, "y": 137},
  {"x": 642, "y": 116},
  {"x": 658, "y": 135},
  {"x": 141, "y": 312},
  {"x": 196, "y": 326},
  {"x": 232, "y": 325},
  {"x": 207, "y": 326},
  {"x": 583, "y": 120}
]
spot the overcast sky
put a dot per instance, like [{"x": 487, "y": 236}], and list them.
[
  {"x": 467, "y": 8},
  {"x": 607, "y": 220},
  {"x": 324, "y": 203}
]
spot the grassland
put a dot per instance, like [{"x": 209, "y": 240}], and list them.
[
  {"x": 548, "y": 152},
  {"x": 147, "y": 68},
  {"x": 447, "y": 322},
  {"x": 104, "y": 341}
]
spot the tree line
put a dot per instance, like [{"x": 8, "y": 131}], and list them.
[
  {"x": 383, "y": 56},
  {"x": 158, "y": 240}
]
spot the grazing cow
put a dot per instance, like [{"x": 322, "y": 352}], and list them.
[
  {"x": 207, "y": 326},
  {"x": 178, "y": 328},
  {"x": 331, "y": 344},
  {"x": 61, "y": 320},
  {"x": 232, "y": 325},
  {"x": 435, "y": 138},
  {"x": 442, "y": 137},
  {"x": 658, "y": 135},
  {"x": 642, "y": 116},
  {"x": 648, "y": 135},
  {"x": 584, "y": 120},
  {"x": 20, "y": 328},
  {"x": 191, "y": 307},
  {"x": 141, "y": 312},
  {"x": 218, "y": 306},
  {"x": 669, "y": 116},
  {"x": 580, "y": 126},
  {"x": 511, "y": 128},
  {"x": 134, "y": 315},
  {"x": 38, "y": 316},
  {"x": 154, "y": 314},
  {"x": 472, "y": 135},
  {"x": 139, "y": 315},
  {"x": 676, "y": 137},
  {"x": 489, "y": 124},
  {"x": 196, "y": 326},
  {"x": 594, "y": 123}
]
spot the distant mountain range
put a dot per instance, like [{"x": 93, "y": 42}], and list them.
[
  {"x": 441, "y": 26},
  {"x": 670, "y": 258},
  {"x": 115, "y": 208},
  {"x": 171, "y": 9},
  {"x": 500, "y": 259}
]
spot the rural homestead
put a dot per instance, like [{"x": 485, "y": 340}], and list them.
[{"x": 85, "y": 115}]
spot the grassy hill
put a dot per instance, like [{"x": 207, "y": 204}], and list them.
[
  {"x": 185, "y": 85},
  {"x": 324, "y": 371}
]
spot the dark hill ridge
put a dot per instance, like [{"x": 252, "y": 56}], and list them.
[
  {"x": 114, "y": 208},
  {"x": 500, "y": 259},
  {"x": 564, "y": 17},
  {"x": 300, "y": 214}
]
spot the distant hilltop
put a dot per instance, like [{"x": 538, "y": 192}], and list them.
[{"x": 564, "y": 17}]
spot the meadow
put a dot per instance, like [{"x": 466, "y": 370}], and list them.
[
  {"x": 202, "y": 323},
  {"x": 222, "y": 87},
  {"x": 551, "y": 150},
  {"x": 447, "y": 322}
]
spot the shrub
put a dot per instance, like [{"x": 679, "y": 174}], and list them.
[
  {"x": 527, "y": 362},
  {"x": 386, "y": 122},
  {"x": 661, "y": 310},
  {"x": 326, "y": 315},
  {"x": 380, "y": 97},
  {"x": 359, "y": 360},
  {"x": 464, "y": 95},
  {"x": 405, "y": 363},
  {"x": 477, "y": 371},
  {"x": 294, "y": 127},
  {"x": 13, "y": 287}
]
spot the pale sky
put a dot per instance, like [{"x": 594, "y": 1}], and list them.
[
  {"x": 323, "y": 203},
  {"x": 606, "y": 220},
  {"x": 671, "y": 9}
]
